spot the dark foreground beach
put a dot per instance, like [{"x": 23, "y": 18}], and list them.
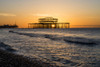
[{"x": 8, "y": 59}]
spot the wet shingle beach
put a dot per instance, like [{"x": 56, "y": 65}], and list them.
[{"x": 8, "y": 59}]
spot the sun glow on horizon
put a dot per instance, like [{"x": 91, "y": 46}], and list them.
[
  {"x": 77, "y": 12},
  {"x": 53, "y": 26}
]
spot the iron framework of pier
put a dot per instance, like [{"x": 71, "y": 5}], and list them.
[{"x": 49, "y": 22}]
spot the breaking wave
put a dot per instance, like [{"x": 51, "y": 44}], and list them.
[
  {"x": 67, "y": 39},
  {"x": 6, "y": 47}
]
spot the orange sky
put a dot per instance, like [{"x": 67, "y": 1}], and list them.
[{"x": 77, "y": 12}]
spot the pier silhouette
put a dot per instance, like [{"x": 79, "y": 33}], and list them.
[
  {"x": 9, "y": 26},
  {"x": 49, "y": 22}
]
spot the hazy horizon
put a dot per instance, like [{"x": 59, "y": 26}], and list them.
[{"x": 77, "y": 12}]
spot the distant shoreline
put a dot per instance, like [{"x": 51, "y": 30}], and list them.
[{"x": 49, "y": 28}]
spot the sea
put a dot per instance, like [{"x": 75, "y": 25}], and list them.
[{"x": 74, "y": 47}]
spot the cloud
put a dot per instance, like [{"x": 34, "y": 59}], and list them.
[
  {"x": 41, "y": 15},
  {"x": 46, "y": 15},
  {"x": 7, "y": 14}
]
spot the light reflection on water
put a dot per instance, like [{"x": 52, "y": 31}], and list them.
[{"x": 53, "y": 51}]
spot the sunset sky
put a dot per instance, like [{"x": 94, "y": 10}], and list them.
[{"x": 77, "y": 12}]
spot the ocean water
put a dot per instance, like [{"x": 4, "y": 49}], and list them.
[{"x": 75, "y": 47}]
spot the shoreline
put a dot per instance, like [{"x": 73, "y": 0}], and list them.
[{"x": 8, "y": 59}]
